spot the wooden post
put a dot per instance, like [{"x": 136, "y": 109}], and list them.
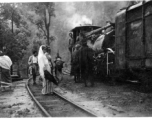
[
  {"x": 11, "y": 69},
  {"x": 107, "y": 62},
  {"x": 0, "y": 76},
  {"x": 27, "y": 71}
]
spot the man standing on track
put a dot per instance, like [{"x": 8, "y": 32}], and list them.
[{"x": 33, "y": 65}]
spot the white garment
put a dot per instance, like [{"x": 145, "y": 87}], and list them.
[
  {"x": 43, "y": 63},
  {"x": 5, "y": 62},
  {"x": 97, "y": 44},
  {"x": 34, "y": 59}
]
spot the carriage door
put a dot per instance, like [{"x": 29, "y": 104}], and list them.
[
  {"x": 148, "y": 33},
  {"x": 135, "y": 45}
]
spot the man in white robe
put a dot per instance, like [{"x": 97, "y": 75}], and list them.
[{"x": 5, "y": 77}]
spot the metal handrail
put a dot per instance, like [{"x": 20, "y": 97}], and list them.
[{"x": 109, "y": 51}]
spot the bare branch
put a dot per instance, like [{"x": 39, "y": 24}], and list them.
[
  {"x": 41, "y": 27},
  {"x": 49, "y": 19},
  {"x": 45, "y": 21}
]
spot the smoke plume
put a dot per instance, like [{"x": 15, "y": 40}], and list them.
[{"x": 72, "y": 14}]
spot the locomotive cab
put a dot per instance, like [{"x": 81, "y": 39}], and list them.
[{"x": 75, "y": 34}]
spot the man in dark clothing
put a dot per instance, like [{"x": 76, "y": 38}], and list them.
[
  {"x": 58, "y": 67},
  {"x": 75, "y": 68},
  {"x": 87, "y": 64}
]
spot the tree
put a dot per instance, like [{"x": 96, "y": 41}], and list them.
[
  {"x": 45, "y": 11},
  {"x": 15, "y": 44},
  {"x": 15, "y": 39},
  {"x": 9, "y": 12}
]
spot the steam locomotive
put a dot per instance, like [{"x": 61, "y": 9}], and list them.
[{"x": 132, "y": 52}]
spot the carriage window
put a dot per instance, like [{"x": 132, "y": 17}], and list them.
[
  {"x": 134, "y": 38},
  {"x": 134, "y": 14},
  {"x": 148, "y": 34},
  {"x": 134, "y": 29}
]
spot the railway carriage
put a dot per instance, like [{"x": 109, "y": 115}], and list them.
[{"x": 133, "y": 44}]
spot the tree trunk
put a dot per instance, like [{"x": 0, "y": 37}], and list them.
[
  {"x": 12, "y": 22},
  {"x": 12, "y": 32},
  {"x": 47, "y": 26},
  {"x": 48, "y": 34}
]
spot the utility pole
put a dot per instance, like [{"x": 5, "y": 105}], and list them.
[
  {"x": 1, "y": 40},
  {"x": 12, "y": 15},
  {"x": 12, "y": 33},
  {"x": 12, "y": 21}
]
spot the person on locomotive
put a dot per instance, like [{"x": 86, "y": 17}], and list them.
[
  {"x": 71, "y": 42},
  {"x": 80, "y": 38}
]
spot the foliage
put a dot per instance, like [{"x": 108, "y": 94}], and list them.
[
  {"x": 15, "y": 42},
  {"x": 45, "y": 10},
  {"x": 24, "y": 27},
  {"x": 9, "y": 12}
]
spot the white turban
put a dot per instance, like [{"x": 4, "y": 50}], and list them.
[{"x": 5, "y": 62}]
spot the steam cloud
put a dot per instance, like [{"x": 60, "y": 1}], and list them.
[{"x": 79, "y": 20}]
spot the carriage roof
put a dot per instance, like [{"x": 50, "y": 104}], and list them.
[
  {"x": 133, "y": 6},
  {"x": 84, "y": 27}
]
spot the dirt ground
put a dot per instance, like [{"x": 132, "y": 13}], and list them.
[
  {"x": 17, "y": 102},
  {"x": 104, "y": 100},
  {"x": 121, "y": 100}
]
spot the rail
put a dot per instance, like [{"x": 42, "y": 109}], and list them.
[
  {"x": 45, "y": 112},
  {"x": 76, "y": 105}
]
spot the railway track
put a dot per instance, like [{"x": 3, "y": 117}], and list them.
[{"x": 56, "y": 105}]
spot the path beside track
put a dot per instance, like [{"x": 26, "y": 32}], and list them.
[
  {"x": 122, "y": 100},
  {"x": 17, "y": 102}
]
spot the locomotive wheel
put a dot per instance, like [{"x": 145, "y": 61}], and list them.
[
  {"x": 75, "y": 79},
  {"x": 146, "y": 82},
  {"x": 118, "y": 77}
]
